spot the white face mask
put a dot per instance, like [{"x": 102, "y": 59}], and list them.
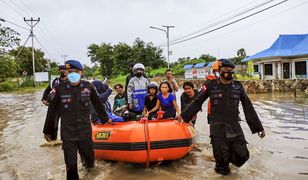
[{"x": 217, "y": 74}]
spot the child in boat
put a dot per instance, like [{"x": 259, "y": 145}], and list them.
[
  {"x": 166, "y": 102},
  {"x": 150, "y": 101}
]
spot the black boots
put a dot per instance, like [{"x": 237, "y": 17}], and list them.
[{"x": 224, "y": 170}]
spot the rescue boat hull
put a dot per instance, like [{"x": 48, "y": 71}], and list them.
[{"x": 143, "y": 141}]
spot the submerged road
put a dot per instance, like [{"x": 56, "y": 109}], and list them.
[{"x": 282, "y": 154}]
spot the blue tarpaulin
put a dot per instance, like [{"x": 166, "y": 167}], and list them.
[
  {"x": 284, "y": 46},
  {"x": 200, "y": 65},
  {"x": 188, "y": 66}
]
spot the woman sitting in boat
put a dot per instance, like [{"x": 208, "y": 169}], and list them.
[
  {"x": 150, "y": 101},
  {"x": 103, "y": 92},
  {"x": 166, "y": 102}
]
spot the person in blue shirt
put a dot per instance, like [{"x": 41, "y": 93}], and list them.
[{"x": 166, "y": 101}]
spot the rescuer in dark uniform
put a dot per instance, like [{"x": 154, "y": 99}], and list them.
[
  {"x": 62, "y": 78},
  {"x": 74, "y": 98},
  {"x": 227, "y": 137},
  {"x": 47, "y": 96}
]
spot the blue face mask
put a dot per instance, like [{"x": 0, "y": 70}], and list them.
[{"x": 73, "y": 77}]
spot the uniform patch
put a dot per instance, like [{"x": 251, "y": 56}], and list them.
[
  {"x": 102, "y": 135},
  {"x": 203, "y": 88},
  {"x": 85, "y": 91}
]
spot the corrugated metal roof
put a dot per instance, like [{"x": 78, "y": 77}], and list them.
[
  {"x": 188, "y": 66},
  {"x": 200, "y": 65},
  {"x": 210, "y": 64},
  {"x": 284, "y": 46}
]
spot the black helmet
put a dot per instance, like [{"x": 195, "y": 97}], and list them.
[{"x": 152, "y": 85}]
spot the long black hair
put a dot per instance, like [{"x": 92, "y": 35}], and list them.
[{"x": 168, "y": 84}]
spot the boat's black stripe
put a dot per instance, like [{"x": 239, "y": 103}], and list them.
[{"x": 136, "y": 146}]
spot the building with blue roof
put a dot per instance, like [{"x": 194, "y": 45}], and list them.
[
  {"x": 287, "y": 58},
  {"x": 188, "y": 71},
  {"x": 188, "y": 66},
  {"x": 197, "y": 71}
]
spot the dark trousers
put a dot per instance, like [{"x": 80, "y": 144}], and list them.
[
  {"x": 55, "y": 134},
  {"x": 230, "y": 150},
  {"x": 70, "y": 148}
]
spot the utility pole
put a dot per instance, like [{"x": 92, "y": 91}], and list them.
[
  {"x": 64, "y": 56},
  {"x": 167, "y": 34},
  {"x": 33, "y": 22}
]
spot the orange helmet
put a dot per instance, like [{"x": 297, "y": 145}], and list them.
[{"x": 215, "y": 66}]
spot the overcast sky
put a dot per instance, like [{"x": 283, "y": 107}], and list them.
[{"x": 70, "y": 26}]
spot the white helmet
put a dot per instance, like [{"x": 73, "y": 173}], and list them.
[{"x": 138, "y": 66}]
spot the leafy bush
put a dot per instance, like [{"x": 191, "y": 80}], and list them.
[
  {"x": 26, "y": 82},
  {"x": 6, "y": 86}
]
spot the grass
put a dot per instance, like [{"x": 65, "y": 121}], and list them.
[
  {"x": 157, "y": 72},
  {"x": 120, "y": 79},
  {"x": 20, "y": 85}
]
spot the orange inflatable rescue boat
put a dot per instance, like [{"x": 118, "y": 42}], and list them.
[{"x": 143, "y": 141}]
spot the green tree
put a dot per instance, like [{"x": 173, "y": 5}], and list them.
[
  {"x": 250, "y": 69},
  {"x": 54, "y": 68},
  {"x": 8, "y": 67},
  {"x": 87, "y": 71},
  {"x": 24, "y": 60},
  {"x": 102, "y": 54},
  {"x": 113, "y": 60},
  {"x": 9, "y": 38},
  {"x": 122, "y": 57},
  {"x": 207, "y": 58},
  {"x": 241, "y": 54}
]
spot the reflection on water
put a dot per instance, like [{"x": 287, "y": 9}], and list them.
[{"x": 286, "y": 124}]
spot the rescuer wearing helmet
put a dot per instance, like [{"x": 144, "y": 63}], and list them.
[
  {"x": 150, "y": 101},
  {"x": 137, "y": 90},
  {"x": 227, "y": 137}
]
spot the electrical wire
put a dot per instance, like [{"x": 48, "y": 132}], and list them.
[
  {"x": 43, "y": 48},
  {"x": 5, "y": 20},
  {"x": 224, "y": 20},
  {"x": 228, "y": 24},
  {"x": 44, "y": 30},
  {"x": 277, "y": 14}
]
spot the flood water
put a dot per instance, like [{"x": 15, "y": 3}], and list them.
[{"x": 282, "y": 154}]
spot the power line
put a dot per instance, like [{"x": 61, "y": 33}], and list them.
[
  {"x": 277, "y": 14},
  {"x": 44, "y": 30},
  {"x": 5, "y": 20},
  {"x": 43, "y": 48},
  {"x": 223, "y": 20},
  {"x": 13, "y": 8},
  {"x": 228, "y": 24},
  {"x": 23, "y": 11},
  {"x": 18, "y": 7}
]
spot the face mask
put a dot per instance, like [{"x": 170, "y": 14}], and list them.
[
  {"x": 139, "y": 74},
  {"x": 227, "y": 75},
  {"x": 217, "y": 74},
  {"x": 74, "y": 77},
  {"x": 62, "y": 75}
]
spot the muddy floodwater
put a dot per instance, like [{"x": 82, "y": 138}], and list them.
[{"x": 282, "y": 154}]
